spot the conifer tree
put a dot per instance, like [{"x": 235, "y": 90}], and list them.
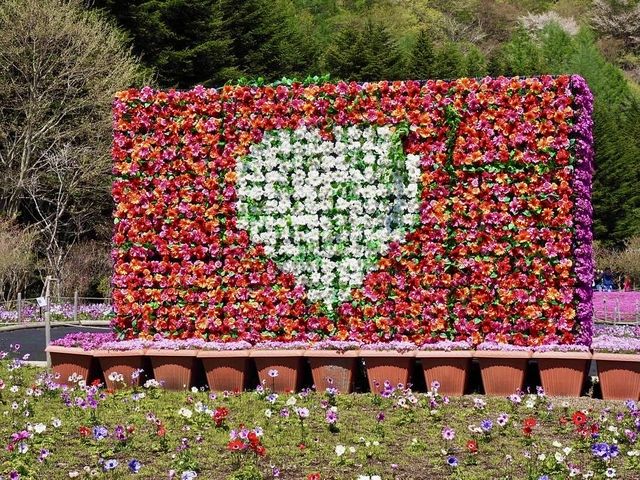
[
  {"x": 183, "y": 40},
  {"x": 616, "y": 196},
  {"x": 266, "y": 40},
  {"x": 422, "y": 58},
  {"x": 557, "y": 48},
  {"x": 475, "y": 63},
  {"x": 345, "y": 59},
  {"x": 519, "y": 56},
  {"x": 449, "y": 61},
  {"x": 383, "y": 60}
]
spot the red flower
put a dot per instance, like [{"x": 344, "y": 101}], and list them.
[
  {"x": 84, "y": 431},
  {"x": 313, "y": 476},
  {"x": 472, "y": 446},
  {"x": 260, "y": 450},
  {"x": 253, "y": 438},
  {"x": 219, "y": 415},
  {"x": 528, "y": 425},
  {"x": 236, "y": 445},
  {"x": 579, "y": 419}
]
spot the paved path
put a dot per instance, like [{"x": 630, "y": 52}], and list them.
[{"x": 31, "y": 340}]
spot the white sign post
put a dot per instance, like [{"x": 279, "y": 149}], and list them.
[{"x": 43, "y": 302}]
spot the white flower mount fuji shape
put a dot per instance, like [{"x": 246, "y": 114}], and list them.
[{"x": 326, "y": 211}]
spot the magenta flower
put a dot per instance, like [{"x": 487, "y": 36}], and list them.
[
  {"x": 448, "y": 433},
  {"x": 331, "y": 416}
]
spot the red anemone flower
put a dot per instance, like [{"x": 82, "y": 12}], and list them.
[
  {"x": 472, "y": 446},
  {"x": 579, "y": 419},
  {"x": 260, "y": 450},
  {"x": 528, "y": 425},
  {"x": 236, "y": 445}
]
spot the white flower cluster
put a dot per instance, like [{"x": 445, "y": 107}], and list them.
[{"x": 326, "y": 210}]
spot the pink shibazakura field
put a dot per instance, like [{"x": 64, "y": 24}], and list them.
[
  {"x": 500, "y": 248},
  {"x": 616, "y": 306}
]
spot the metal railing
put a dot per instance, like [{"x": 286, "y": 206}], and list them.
[{"x": 62, "y": 309}]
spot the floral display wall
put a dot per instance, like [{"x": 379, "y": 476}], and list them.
[{"x": 416, "y": 211}]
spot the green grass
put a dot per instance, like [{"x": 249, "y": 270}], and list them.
[{"x": 407, "y": 444}]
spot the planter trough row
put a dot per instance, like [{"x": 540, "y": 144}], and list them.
[{"x": 503, "y": 373}]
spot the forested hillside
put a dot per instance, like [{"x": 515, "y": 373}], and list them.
[{"x": 186, "y": 42}]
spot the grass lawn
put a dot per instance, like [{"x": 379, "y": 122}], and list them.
[{"x": 86, "y": 432}]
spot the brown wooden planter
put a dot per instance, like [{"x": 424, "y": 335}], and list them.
[
  {"x": 65, "y": 361},
  {"x": 123, "y": 362},
  {"x": 333, "y": 369},
  {"x": 225, "y": 370},
  {"x": 619, "y": 375},
  {"x": 449, "y": 369},
  {"x": 503, "y": 373},
  {"x": 173, "y": 368},
  {"x": 391, "y": 366},
  {"x": 563, "y": 373},
  {"x": 287, "y": 363}
]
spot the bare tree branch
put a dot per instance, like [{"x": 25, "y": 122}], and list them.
[
  {"x": 619, "y": 20},
  {"x": 60, "y": 65}
]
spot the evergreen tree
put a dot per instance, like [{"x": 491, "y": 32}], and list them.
[
  {"x": 448, "y": 61},
  {"x": 183, "y": 40},
  {"x": 520, "y": 56},
  {"x": 557, "y": 49},
  {"x": 475, "y": 63},
  {"x": 344, "y": 59},
  {"x": 383, "y": 60},
  {"x": 266, "y": 39},
  {"x": 421, "y": 59},
  {"x": 364, "y": 54},
  {"x": 616, "y": 196},
  {"x": 211, "y": 41}
]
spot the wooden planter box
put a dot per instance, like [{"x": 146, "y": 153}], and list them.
[
  {"x": 382, "y": 366},
  {"x": 503, "y": 373},
  {"x": 333, "y": 369},
  {"x": 65, "y": 361},
  {"x": 563, "y": 373},
  {"x": 225, "y": 370},
  {"x": 619, "y": 375},
  {"x": 287, "y": 363},
  {"x": 124, "y": 362},
  {"x": 449, "y": 369},
  {"x": 173, "y": 368}
]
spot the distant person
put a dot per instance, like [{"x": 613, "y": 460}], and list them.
[
  {"x": 626, "y": 286},
  {"x": 597, "y": 280},
  {"x": 608, "y": 284}
]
